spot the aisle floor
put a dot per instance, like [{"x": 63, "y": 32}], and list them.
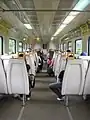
[{"x": 43, "y": 105}]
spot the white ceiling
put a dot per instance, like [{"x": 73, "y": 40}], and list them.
[
  {"x": 45, "y": 18},
  {"x": 79, "y": 20},
  {"x": 44, "y": 24}
]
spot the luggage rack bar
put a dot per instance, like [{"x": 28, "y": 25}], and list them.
[{"x": 42, "y": 10}]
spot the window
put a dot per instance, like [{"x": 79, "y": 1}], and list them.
[
  {"x": 78, "y": 47},
  {"x": 20, "y": 47},
  {"x": 89, "y": 46},
  {"x": 1, "y": 45},
  {"x": 12, "y": 46},
  {"x": 70, "y": 46}
]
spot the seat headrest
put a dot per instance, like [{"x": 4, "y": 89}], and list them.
[
  {"x": 21, "y": 55},
  {"x": 70, "y": 56}
]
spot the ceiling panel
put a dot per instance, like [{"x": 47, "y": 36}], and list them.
[
  {"x": 27, "y": 3},
  {"x": 79, "y": 20},
  {"x": 59, "y": 16}
]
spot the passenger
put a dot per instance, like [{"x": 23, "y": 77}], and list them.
[
  {"x": 27, "y": 65},
  {"x": 50, "y": 66},
  {"x": 56, "y": 87},
  {"x": 41, "y": 56},
  {"x": 49, "y": 61},
  {"x": 39, "y": 63},
  {"x": 83, "y": 54}
]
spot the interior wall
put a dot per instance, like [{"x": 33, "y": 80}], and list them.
[
  {"x": 37, "y": 46},
  {"x": 52, "y": 45},
  {"x": 85, "y": 43}
]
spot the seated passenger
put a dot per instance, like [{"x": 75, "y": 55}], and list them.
[
  {"x": 83, "y": 54},
  {"x": 56, "y": 87},
  {"x": 27, "y": 65},
  {"x": 50, "y": 66}
]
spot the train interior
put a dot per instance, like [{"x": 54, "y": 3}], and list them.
[{"x": 44, "y": 59}]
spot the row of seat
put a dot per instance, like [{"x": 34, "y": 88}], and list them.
[
  {"x": 76, "y": 80},
  {"x": 15, "y": 81},
  {"x": 14, "y": 76},
  {"x": 59, "y": 64}
]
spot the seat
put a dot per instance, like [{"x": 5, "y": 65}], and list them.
[
  {"x": 56, "y": 59},
  {"x": 6, "y": 59},
  {"x": 3, "y": 82},
  {"x": 60, "y": 66},
  {"x": 87, "y": 81},
  {"x": 73, "y": 81},
  {"x": 30, "y": 61},
  {"x": 85, "y": 61},
  {"x": 84, "y": 57},
  {"x": 17, "y": 78}
]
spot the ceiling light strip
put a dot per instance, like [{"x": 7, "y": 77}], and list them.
[{"x": 79, "y": 7}]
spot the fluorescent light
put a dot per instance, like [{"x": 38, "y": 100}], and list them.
[
  {"x": 66, "y": 39},
  {"x": 68, "y": 19},
  {"x": 81, "y": 4},
  {"x": 38, "y": 39},
  {"x": 24, "y": 39},
  {"x": 28, "y": 26},
  {"x": 52, "y": 38},
  {"x": 74, "y": 13},
  {"x": 61, "y": 27}
]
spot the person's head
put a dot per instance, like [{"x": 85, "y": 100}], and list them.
[
  {"x": 83, "y": 54},
  {"x": 68, "y": 51}
]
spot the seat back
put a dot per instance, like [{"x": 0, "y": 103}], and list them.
[
  {"x": 57, "y": 65},
  {"x": 17, "y": 77},
  {"x": 87, "y": 81},
  {"x": 62, "y": 64},
  {"x": 6, "y": 59},
  {"x": 84, "y": 57},
  {"x": 30, "y": 61},
  {"x": 3, "y": 82},
  {"x": 73, "y": 81},
  {"x": 55, "y": 61}
]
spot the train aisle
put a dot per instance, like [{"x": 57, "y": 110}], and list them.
[{"x": 43, "y": 104}]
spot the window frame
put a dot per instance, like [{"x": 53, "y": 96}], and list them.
[
  {"x": 68, "y": 44},
  {"x": 75, "y": 43},
  {"x": 88, "y": 49},
  {"x": 1, "y": 45},
  {"x": 14, "y": 42},
  {"x": 20, "y": 46}
]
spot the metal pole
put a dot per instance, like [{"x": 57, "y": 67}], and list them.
[{"x": 41, "y": 10}]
